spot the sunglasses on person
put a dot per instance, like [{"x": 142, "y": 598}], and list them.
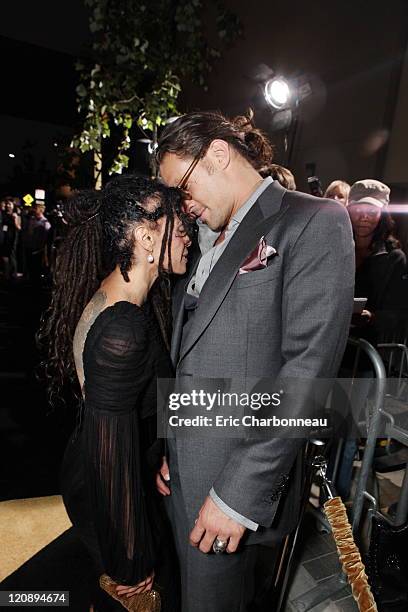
[{"x": 182, "y": 184}]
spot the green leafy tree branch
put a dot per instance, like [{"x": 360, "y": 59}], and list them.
[{"x": 141, "y": 51}]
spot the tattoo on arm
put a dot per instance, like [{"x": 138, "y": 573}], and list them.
[{"x": 89, "y": 315}]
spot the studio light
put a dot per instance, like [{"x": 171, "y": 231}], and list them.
[
  {"x": 11, "y": 155},
  {"x": 277, "y": 92}
]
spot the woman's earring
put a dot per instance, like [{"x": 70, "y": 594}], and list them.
[{"x": 150, "y": 258}]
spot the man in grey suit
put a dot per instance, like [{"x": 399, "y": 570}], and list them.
[{"x": 286, "y": 318}]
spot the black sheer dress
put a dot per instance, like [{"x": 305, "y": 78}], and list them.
[{"x": 108, "y": 469}]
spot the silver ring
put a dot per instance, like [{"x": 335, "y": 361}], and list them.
[{"x": 219, "y": 546}]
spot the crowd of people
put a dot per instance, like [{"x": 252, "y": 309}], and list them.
[
  {"x": 381, "y": 262},
  {"x": 28, "y": 237},
  {"x": 24, "y": 240}
]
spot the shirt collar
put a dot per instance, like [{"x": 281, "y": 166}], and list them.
[
  {"x": 207, "y": 237},
  {"x": 246, "y": 207}
]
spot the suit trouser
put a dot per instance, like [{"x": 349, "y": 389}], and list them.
[{"x": 238, "y": 582}]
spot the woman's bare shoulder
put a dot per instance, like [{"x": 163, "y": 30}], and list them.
[{"x": 92, "y": 310}]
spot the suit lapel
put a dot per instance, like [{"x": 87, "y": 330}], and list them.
[{"x": 256, "y": 223}]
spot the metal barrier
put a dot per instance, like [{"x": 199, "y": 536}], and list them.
[
  {"x": 373, "y": 429},
  {"x": 395, "y": 411},
  {"x": 336, "y": 583}
]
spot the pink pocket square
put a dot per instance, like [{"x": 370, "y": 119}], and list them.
[{"x": 258, "y": 259}]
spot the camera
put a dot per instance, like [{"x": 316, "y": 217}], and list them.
[{"x": 315, "y": 186}]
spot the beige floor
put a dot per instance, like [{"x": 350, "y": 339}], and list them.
[{"x": 26, "y": 526}]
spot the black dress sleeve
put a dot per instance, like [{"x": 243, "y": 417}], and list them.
[{"x": 116, "y": 364}]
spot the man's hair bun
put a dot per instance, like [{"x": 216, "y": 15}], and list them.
[
  {"x": 191, "y": 135},
  {"x": 260, "y": 150}
]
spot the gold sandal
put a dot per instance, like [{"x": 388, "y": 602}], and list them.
[{"x": 140, "y": 602}]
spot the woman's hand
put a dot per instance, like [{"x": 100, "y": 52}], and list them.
[
  {"x": 141, "y": 587},
  {"x": 163, "y": 476}
]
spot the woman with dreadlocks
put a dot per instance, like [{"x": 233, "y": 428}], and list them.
[{"x": 107, "y": 328}]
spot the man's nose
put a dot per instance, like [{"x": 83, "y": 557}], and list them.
[{"x": 188, "y": 204}]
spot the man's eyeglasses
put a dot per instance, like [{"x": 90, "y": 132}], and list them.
[{"x": 182, "y": 184}]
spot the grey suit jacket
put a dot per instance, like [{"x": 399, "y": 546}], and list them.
[{"x": 288, "y": 320}]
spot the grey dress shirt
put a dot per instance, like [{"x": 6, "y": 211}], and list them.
[
  {"x": 207, "y": 237},
  {"x": 210, "y": 256}
]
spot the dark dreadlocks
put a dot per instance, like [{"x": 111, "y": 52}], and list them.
[{"x": 101, "y": 237}]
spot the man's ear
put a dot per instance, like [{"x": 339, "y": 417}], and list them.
[
  {"x": 144, "y": 237},
  {"x": 219, "y": 154}
]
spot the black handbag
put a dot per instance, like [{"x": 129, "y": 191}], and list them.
[{"x": 387, "y": 564}]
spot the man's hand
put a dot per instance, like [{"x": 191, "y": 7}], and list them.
[
  {"x": 163, "y": 476},
  {"x": 213, "y": 523}
]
